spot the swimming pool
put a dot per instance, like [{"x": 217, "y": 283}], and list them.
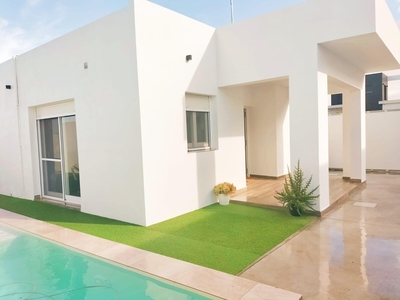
[{"x": 34, "y": 268}]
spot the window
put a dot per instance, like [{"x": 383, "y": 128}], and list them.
[
  {"x": 197, "y": 129},
  {"x": 197, "y": 122}
]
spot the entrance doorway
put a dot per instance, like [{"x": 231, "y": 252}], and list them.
[{"x": 59, "y": 162}]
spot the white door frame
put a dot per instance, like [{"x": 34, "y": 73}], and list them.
[{"x": 66, "y": 199}]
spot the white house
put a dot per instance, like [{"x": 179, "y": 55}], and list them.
[{"x": 138, "y": 115}]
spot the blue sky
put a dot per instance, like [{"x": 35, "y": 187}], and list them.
[{"x": 25, "y": 24}]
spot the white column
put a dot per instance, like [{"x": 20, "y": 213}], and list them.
[
  {"x": 354, "y": 154},
  {"x": 309, "y": 129},
  {"x": 346, "y": 135},
  {"x": 358, "y": 153}
]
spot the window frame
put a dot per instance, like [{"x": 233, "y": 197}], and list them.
[{"x": 195, "y": 145}]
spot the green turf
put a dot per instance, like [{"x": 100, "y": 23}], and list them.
[{"x": 225, "y": 238}]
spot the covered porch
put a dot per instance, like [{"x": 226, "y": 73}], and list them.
[{"x": 284, "y": 94}]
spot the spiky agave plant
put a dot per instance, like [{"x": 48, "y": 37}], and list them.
[{"x": 295, "y": 196}]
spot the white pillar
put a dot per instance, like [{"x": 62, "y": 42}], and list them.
[
  {"x": 358, "y": 145},
  {"x": 346, "y": 135},
  {"x": 309, "y": 129},
  {"x": 354, "y": 154}
]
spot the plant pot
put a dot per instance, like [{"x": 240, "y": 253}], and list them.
[
  {"x": 224, "y": 199},
  {"x": 294, "y": 212}
]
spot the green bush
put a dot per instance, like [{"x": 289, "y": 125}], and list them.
[{"x": 295, "y": 196}]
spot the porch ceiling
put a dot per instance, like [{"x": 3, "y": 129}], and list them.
[{"x": 367, "y": 52}]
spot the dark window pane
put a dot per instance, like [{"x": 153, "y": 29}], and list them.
[
  {"x": 50, "y": 138},
  {"x": 189, "y": 126},
  {"x": 52, "y": 179},
  {"x": 202, "y": 127}
]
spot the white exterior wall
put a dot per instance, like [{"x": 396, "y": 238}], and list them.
[
  {"x": 336, "y": 141},
  {"x": 11, "y": 179},
  {"x": 107, "y": 113},
  {"x": 268, "y": 130},
  {"x": 287, "y": 38},
  {"x": 289, "y": 48},
  {"x": 382, "y": 140},
  {"x": 176, "y": 181},
  {"x": 230, "y": 158},
  {"x": 130, "y": 103}
]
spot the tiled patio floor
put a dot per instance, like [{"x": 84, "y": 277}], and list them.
[
  {"x": 351, "y": 253},
  {"x": 262, "y": 191}
]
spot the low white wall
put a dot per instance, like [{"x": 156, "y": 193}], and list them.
[{"x": 382, "y": 140}]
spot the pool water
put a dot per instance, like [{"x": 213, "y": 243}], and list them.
[{"x": 33, "y": 268}]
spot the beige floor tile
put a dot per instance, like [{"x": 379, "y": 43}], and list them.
[
  {"x": 217, "y": 283},
  {"x": 122, "y": 254},
  {"x": 65, "y": 236},
  {"x": 163, "y": 266},
  {"x": 91, "y": 244},
  {"x": 352, "y": 253},
  {"x": 266, "y": 292},
  {"x": 30, "y": 225}
]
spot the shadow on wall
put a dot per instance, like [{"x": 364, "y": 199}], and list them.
[
  {"x": 204, "y": 79},
  {"x": 206, "y": 177}
]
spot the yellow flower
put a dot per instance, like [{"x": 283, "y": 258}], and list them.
[{"x": 225, "y": 188}]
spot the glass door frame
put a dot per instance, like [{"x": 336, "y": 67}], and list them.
[{"x": 66, "y": 199}]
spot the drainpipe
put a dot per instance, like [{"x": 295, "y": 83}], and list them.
[
  {"x": 232, "y": 13},
  {"x": 19, "y": 121}
]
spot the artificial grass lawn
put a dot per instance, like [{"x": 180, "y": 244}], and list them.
[{"x": 224, "y": 238}]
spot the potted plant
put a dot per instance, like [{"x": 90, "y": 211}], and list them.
[
  {"x": 295, "y": 196},
  {"x": 223, "y": 191}
]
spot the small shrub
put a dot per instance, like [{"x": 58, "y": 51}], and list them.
[{"x": 295, "y": 196}]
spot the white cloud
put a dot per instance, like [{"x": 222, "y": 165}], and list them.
[
  {"x": 34, "y": 2},
  {"x": 13, "y": 40},
  {"x": 37, "y": 27}
]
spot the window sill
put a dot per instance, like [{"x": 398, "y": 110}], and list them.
[{"x": 205, "y": 149}]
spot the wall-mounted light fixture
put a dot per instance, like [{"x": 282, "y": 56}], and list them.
[
  {"x": 188, "y": 58},
  {"x": 85, "y": 65},
  {"x": 8, "y": 87}
]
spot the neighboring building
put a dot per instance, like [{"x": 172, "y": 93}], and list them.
[{"x": 138, "y": 115}]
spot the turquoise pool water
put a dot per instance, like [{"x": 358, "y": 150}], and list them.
[{"x": 33, "y": 268}]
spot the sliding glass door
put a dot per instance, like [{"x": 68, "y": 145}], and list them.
[{"x": 59, "y": 159}]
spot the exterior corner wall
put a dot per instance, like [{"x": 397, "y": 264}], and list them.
[
  {"x": 175, "y": 181},
  {"x": 107, "y": 112}
]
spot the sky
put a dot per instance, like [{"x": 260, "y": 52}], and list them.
[{"x": 26, "y": 24}]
